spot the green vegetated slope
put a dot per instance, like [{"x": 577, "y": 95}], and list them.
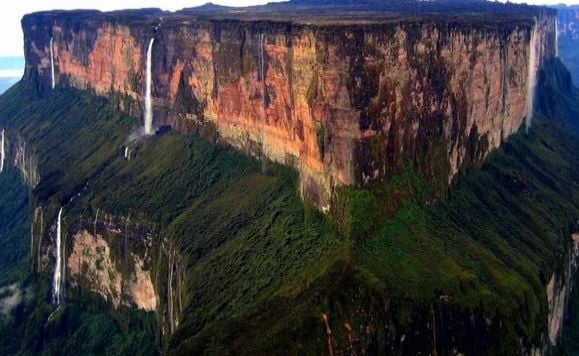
[
  {"x": 490, "y": 250},
  {"x": 263, "y": 268},
  {"x": 14, "y": 215},
  {"x": 557, "y": 97},
  {"x": 57, "y": 126},
  {"x": 240, "y": 223}
]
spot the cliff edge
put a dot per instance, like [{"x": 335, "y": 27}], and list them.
[{"x": 345, "y": 96}]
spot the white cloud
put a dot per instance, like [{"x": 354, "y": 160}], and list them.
[{"x": 10, "y": 298}]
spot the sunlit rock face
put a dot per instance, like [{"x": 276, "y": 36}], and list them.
[
  {"x": 93, "y": 265},
  {"x": 111, "y": 256},
  {"x": 344, "y": 103},
  {"x": 558, "y": 292}
]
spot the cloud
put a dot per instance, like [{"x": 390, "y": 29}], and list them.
[{"x": 10, "y": 298}]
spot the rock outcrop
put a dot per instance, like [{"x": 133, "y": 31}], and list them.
[
  {"x": 111, "y": 256},
  {"x": 347, "y": 102},
  {"x": 91, "y": 264},
  {"x": 559, "y": 290},
  {"x": 17, "y": 152}
]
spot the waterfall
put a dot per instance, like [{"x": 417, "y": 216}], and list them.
[
  {"x": 556, "y": 38},
  {"x": 126, "y": 152},
  {"x": 148, "y": 101},
  {"x": 261, "y": 55},
  {"x": 532, "y": 78},
  {"x": 2, "y": 153},
  {"x": 96, "y": 219},
  {"x": 59, "y": 268},
  {"x": 52, "y": 64}
]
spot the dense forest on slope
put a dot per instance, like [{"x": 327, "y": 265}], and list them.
[{"x": 391, "y": 268}]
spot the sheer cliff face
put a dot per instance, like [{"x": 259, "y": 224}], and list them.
[
  {"x": 108, "y": 255},
  {"x": 344, "y": 104}
]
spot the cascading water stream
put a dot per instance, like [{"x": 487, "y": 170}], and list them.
[
  {"x": 59, "y": 268},
  {"x": 261, "y": 55},
  {"x": 52, "y": 64},
  {"x": 556, "y": 38},
  {"x": 532, "y": 78},
  {"x": 148, "y": 100},
  {"x": 2, "y": 153}
]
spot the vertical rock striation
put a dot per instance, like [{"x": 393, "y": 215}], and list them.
[
  {"x": 559, "y": 290},
  {"x": 346, "y": 103}
]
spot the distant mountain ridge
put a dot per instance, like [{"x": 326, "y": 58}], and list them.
[
  {"x": 11, "y": 70},
  {"x": 568, "y": 25}
]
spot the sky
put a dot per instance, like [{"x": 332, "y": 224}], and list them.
[{"x": 11, "y": 34}]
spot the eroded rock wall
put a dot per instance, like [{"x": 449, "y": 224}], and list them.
[
  {"x": 111, "y": 256},
  {"x": 558, "y": 292},
  {"x": 346, "y": 104}
]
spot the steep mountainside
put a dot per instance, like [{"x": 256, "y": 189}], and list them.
[
  {"x": 177, "y": 243},
  {"x": 483, "y": 271},
  {"x": 345, "y": 97}
]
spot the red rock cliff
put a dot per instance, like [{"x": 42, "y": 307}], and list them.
[{"x": 345, "y": 102}]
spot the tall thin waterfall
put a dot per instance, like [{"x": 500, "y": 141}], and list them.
[
  {"x": 2, "y": 153},
  {"x": 556, "y": 38},
  {"x": 532, "y": 78},
  {"x": 261, "y": 55},
  {"x": 59, "y": 268},
  {"x": 52, "y": 64},
  {"x": 148, "y": 101}
]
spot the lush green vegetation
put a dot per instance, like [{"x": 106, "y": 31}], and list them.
[
  {"x": 90, "y": 327},
  {"x": 14, "y": 229},
  {"x": 489, "y": 250},
  {"x": 247, "y": 229},
  {"x": 557, "y": 97},
  {"x": 58, "y": 127}
]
